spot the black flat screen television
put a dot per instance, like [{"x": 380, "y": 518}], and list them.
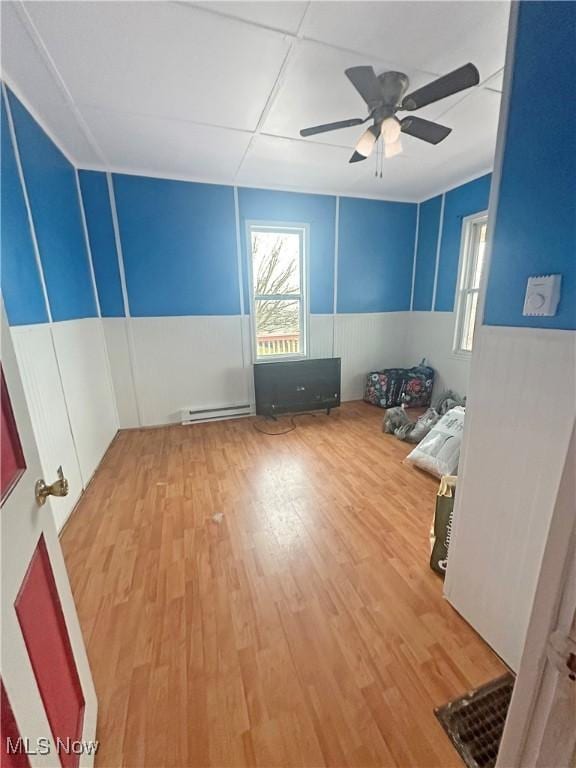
[{"x": 297, "y": 385}]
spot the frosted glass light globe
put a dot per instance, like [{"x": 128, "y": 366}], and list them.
[
  {"x": 366, "y": 143},
  {"x": 391, "y": 129}
]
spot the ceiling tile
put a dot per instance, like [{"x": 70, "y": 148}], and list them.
[
  {"x": 482, "y": 40},
  {"x": 174, "y": 147},
  {"x": 397, "y": 182},
  {"x": 467, "y": 152},
  {"x": 432, "y": 36},
  {"x": 277, "y": 15},
  {"x": 163, "y": 59},
  {"x": 276, "y": 162}
]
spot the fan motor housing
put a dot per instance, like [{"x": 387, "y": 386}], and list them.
[{"x": 394, "y": 85}]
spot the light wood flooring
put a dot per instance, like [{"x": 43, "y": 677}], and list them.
[{"x": 250, "y": 600}]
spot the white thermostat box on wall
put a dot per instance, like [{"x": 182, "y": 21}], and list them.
[{"x": 542, "y": 295}]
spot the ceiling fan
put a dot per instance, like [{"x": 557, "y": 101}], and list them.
[{"x": 384, "y": 95}]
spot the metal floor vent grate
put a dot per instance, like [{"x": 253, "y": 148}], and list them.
[{"x": 475, "y": 721}]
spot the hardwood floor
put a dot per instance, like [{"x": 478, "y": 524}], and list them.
[{"x": 250, "y": 600}]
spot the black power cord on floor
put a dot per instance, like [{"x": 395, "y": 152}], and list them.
[{"x": 285, "y": 432}]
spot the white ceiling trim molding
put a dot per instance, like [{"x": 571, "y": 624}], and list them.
[
  {"x": 465, "y": 180},
  {"x": 36, "y": 38},
  {"x": 329, "y": 192}
]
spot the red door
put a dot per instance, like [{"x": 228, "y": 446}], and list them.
[{"x": 48, "y": 698}]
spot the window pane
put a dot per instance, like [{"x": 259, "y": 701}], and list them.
[
  {"x": 278, "y": 329},
  {"x": 480, "y": 246},
  {"x": 275, "y": 262},
  {"x": 471, "y": 300}
]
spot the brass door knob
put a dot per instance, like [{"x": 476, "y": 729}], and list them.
[{"x": 58, "y": 488}]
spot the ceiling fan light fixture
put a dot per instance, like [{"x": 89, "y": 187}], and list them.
[
  {"x": 390, "y": 131},
  {"x": 366, "y": 142},
  {"x": 393, "y": 148}
]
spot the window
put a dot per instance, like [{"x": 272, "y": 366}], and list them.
[
  {"x": 471, "y": 264},
  {"x": 278, "y": 285}
]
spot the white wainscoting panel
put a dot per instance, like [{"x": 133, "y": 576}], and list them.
[
  {"x": 206, "y": 362},
  {"x": 187, "y": 362},
  {"x": 431, "y": 335},
  {"x": 368, "y": 342},
  {"x": 321, "y": 336},
  {"x": 521, "y": 410},
  {"x": 116, "y": 335},
  {"x": 45, "y": 398},
  {"x": 84, "y": 366}
]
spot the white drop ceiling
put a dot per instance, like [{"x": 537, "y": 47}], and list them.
[{"x": 218, "y": 91}]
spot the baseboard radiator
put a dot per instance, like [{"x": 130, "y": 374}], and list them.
[{"x": 195, "y": 415}]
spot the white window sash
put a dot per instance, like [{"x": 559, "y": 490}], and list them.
[
  {"x": 469, "y": 253},
  {"x": 302, "y": 296}
]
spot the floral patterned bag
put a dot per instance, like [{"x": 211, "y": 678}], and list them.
[{"x": 396, "y": 386}]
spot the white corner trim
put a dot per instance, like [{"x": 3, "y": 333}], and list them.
[
  {"x": 240, "y": 272},
  {"x": 415, "y": 257},
  {"x": 336, "y": 254},
  {"x": 438, "y": 247},
  {"x": 498, "y": 158},
  {"x": 128, "y": 317},
  {"x": 87, "y": 243},
  {"x": 118, "y": 243},
  {"x": 239, "y": 251},
  {"x": 96, "y": 297}
]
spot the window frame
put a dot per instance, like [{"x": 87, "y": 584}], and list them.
[
  {"x": 464, "y": 282},
  {"x": 303, "y": 297}
]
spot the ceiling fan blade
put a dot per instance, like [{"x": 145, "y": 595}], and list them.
[
  {"x": 433, "y": 133},
  {"x": 332, "y": 126},
  {"x": 458, "y": 80},
  {"x": 366, "y": 83},
  {"x": 356, "y": 158}
]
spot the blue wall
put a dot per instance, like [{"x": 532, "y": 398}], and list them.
[
  {"x": 179, "y": 241},
  {"x": 102, "y": 242},
  {"x": 21, "y": 286},
  {"x": 179, "y": 247},
  {"x": 319, "y": 212},
  {"x": 428, "y": 229},
  {"x": 458, "y": 203},
  {"x": 51, "y": 184},
  {"x": 179, "y": 238},
  {"x": 535, "y": 228},
  {"x": 376, "y": 254}
]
